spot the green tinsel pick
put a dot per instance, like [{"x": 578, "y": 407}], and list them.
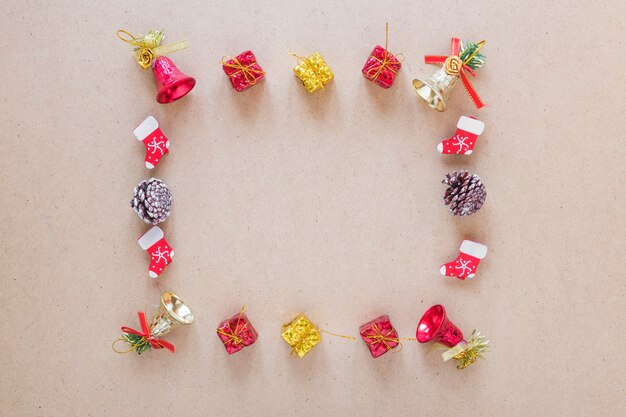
[
  {"x": 467, "y": 49},
  {"x": 153, "y": 39},
  {"x": 139, "y": 343},
  {"x": 466, "y": 353}
]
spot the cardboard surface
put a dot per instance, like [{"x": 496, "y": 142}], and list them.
[{"x": 327, "y": 204}]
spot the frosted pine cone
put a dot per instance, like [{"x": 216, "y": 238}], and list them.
[
  {"x": 152, "y": 201},
  {"x": 466, "y": 193}
]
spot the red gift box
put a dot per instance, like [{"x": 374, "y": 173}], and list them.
[
  {"x": 236, "y": 333},
  {"x": 243, "y": 71},
  {"x": 381, "y": 67},
  {"x": 380, "y": 336}
]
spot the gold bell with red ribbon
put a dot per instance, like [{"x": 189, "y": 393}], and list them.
[
  {"x": 464, "y": 58},
  {"x": 172, "y": 313}
]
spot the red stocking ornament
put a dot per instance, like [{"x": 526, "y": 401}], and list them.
[
  {"x": 462, "y": 143},
  {"x": 155, "y": 141},
  {"x": 161, "y": 253},
  {"x": 464, "y": 266}
]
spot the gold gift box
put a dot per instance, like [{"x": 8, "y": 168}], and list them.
[
  {"x": 313, "y": 72},
  {"x": 301, "y": 334}
]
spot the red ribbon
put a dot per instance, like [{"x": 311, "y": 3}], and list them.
[
  {"x": 145, "y": 333},
  {"x": 455, "y": 48}
]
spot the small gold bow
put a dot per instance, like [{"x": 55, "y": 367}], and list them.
[
  {"x": 148, "y": 47},
  {"x": 466, "y": 353}
]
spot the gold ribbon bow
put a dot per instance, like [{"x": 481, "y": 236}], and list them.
[
  {"x": 387, "y": 61},
  {"x": 250, "y": 74},
  {"x": 148, "y": 47},
  {"x": 466, "y": 353}
]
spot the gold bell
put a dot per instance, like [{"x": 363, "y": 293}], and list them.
[
  {"x": 436, "y": 88},
  {"x": 172, "y": 312},
  {"x": 464, "y": 57}
]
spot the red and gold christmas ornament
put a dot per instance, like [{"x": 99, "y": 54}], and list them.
[
  {"x": 172, "y": 312},
  {"x": 382, "y": 66},
  {"x": 380, "y": 336},
  {"x": 434, "y": 326},
  {"x": 236, "y": 333},
  {"x": 172, "y": 84},
  {"x": 464, "y": 59},
  {"x": 243, "y": 70}
]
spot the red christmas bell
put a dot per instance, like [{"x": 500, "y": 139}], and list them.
[
  {"x": 172, "y": 84},
  {"x": 435, "y": 327}
]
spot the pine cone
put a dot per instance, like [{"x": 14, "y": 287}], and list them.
[
  {"x": 152, "y": 201},
  {"x": 466, "y": 193}
]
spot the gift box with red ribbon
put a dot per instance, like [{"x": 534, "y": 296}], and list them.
[
  {"x": 243, "y": 70},
  {"x": 381, "y": 67},
  {"x": 236, "y": 333},
  {"x": 380, "y": 336}
]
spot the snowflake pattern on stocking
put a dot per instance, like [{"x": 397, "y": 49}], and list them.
[
  {"x": 463, "y": 266},
  {"x": 156, "y": 146},
  {"x": 460, "y": 143},
  {"x": 160, "y": 255}
]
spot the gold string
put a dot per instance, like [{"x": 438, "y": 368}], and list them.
[
  {"x": 480, "y": 45},
  {"x": 121, "y": 352},
  {"x": 337, "y": 335},
  {"x": 301, "y": 58}
]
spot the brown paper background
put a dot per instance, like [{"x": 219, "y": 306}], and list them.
[{"x": 327, "y": 203}]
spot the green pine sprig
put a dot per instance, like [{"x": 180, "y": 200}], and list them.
[
  {"x": 467, "y": 49},
  {"x": 138, "y": 343}
]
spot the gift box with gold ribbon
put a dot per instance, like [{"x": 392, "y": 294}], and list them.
[
  {"x": 301, "y": 334},
  {"x": 313, "y": 72},
  {"x": 243, "y": 70},
  {"x": 380, "y": 336},
  {"x": 236, "y": 333},
  {"x": 381, "y": 67}
]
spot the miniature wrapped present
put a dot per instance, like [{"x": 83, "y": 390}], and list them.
[
  {"x": 380, "y": 336},
  {"x": 381, "y": 67},
  {"x": 243, "y": 70},
  {"x": 301, "y": 334},
  {"x": 313, "y": 72},
  {"x": 236, "y": 333}
]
